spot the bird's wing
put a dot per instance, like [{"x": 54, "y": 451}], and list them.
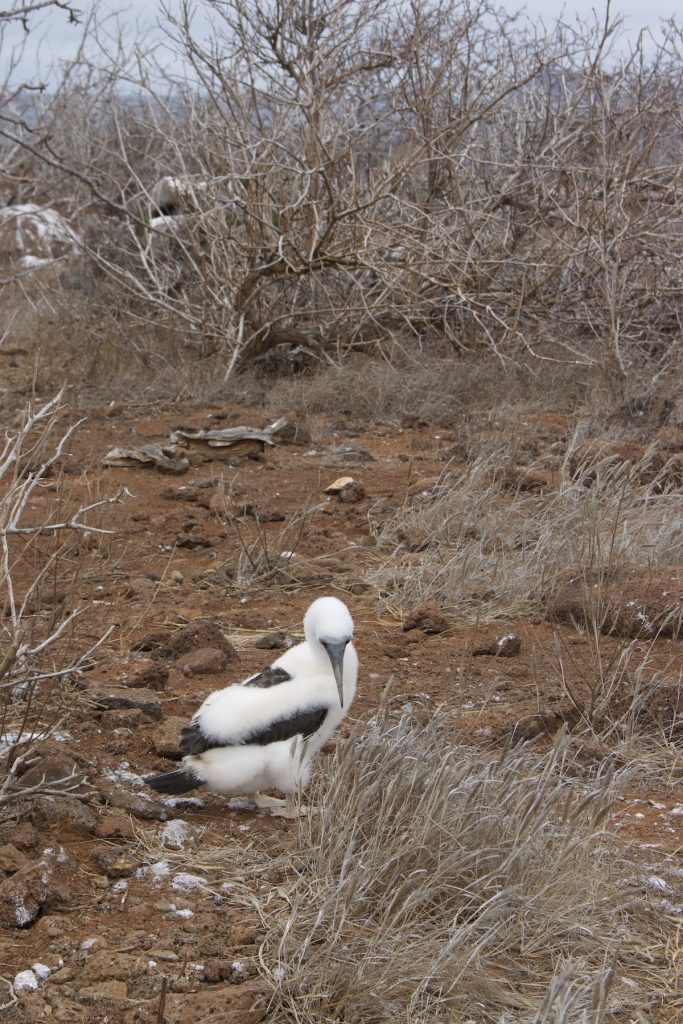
[
  {"x": 301, "y": 723},
  {"x": 272, "y": 676}
]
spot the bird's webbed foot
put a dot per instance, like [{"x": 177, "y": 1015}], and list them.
[
  {"x": 290, "y": 810},
  {"x": 264, "y": 801}
]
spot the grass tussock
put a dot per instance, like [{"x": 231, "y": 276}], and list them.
[
  {"x": 487, "y": 550},
  {"x": 625, "y": 703},
  {"x": 436, "y": 885}
]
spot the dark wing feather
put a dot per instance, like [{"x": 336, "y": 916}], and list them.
[
  {"x": 194, "y": 741},
  {"x": 269, "y": 677},
  {"x": 302, "y": 723}
]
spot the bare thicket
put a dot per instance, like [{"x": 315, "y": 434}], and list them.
[
  {"x": 362, "y": 177},
  {"x": 42, "y": 647}
]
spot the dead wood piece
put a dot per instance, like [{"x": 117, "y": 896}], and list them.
[
  {"x": 163, "y": 456},
  {"x": 227, "y": 437}
]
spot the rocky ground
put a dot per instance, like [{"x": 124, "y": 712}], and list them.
[{"x": 115, "y": 903}]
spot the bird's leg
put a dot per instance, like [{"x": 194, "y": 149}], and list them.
[
  {"x": 290, "y": 809},
  {"x": 263, "y": 801}
]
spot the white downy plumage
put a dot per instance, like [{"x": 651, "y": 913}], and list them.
[{"x": 262, "y": 733}]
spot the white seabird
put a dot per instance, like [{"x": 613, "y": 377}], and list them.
[{"x": 263, "y": 733}]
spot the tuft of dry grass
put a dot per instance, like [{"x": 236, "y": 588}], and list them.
[
  {"x": 486, "y": 551},
  {"x": 434, "y": 884},
  {"x": 433, "y": 384},
  {"x": 627, "y": 700}
]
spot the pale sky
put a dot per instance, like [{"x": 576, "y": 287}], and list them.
[{"x": 53, "y": 39}]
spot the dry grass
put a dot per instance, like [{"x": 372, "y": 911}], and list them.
[
  {"x": 626, "y": 703},
  {"x": 435, "y": 885},
  {"x": 432, "y": 884},
  {"x": 433, "y": 383},
  {"x": 487, "y": 551}
]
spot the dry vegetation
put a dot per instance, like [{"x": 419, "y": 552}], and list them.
[
  {"x": 423, "y": 209},
  {"x": 491, "y": 540}
]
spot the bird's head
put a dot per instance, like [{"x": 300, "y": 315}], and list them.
[{"x": 328, "y": 623}]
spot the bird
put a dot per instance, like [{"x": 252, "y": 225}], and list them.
[{"x": 262, "y": 733}]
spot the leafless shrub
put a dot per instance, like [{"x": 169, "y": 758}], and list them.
[
  {"x": 41, "y": 650},
  {"x": 259, "y": 556},
  {"x": 370, "y": 176},
  {"x": 435, "y": 883}
]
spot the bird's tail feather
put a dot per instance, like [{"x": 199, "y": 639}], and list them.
[{"x": 181, "y": 781}]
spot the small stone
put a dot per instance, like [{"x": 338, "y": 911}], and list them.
[
  {"x": 115, "y": 699},
  {"x": 25, "y": 980},
  {"x": 206, "y": 661},
  {"x": 11, "y": 859},
  {"x": 138, "y": 673},
  {"x": 163, "y": 955},
  {"x": 181, "y": 985},
  {"x": 348, "y": 456},
  {"x": 246, "y": 1003},
  {"x": 189, "y": 638},
  {"x": 338, "y": 485},
  {"x": 274, "y": 642},
  {"x": 427, "y": 617},
  {"x": 113, "y": 862},
  {"x": 192, "y": 540},
  {"x": 24, "y": 894},
  {"x": 177, "y": 576},
  {"x": 393, "y": 651},
  {"x": 114, "y": 990},
  {"x": 176, "y": 492},
  {"x": 56, "y": 769},
  {"x": 62, "y": 975},
  {"x": 166, "y": 737},
  {"x": 507, "y": 646},
  {"x": 56, "y": 811},
  {"x": 23, "y": 836},
  {"x": 290, "y": 432},
  {"x": 352, "y": 493},
  {"x": 186, "y": 882},
  {"x": 114, "y": 826},
  {"x": 134, "y": 803},
  {"x": 174, "y": 834}
]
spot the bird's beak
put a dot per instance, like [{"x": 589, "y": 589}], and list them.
[{"x": 335, "y": 653}]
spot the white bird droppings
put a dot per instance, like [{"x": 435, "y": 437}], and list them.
[
  {"x": 174, "y": 834},
  {"x": 25, "y": 980},
  {"x": 655, "y": 882},
  {"x": 184, "y": 881}
]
